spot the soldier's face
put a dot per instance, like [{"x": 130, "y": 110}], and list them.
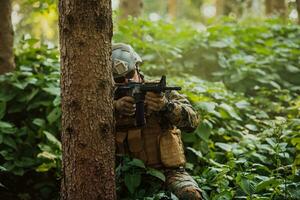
[{"x": 135, "y": 78}]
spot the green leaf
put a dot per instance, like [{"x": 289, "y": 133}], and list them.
[
  {"x": 197, "y": 153},
  {"x": 137, "y": 163},
  {"x": 5, "y": 125},
  {"x": 242, "y": 104},
  {"x": 25, "y": 162},
  {"x": 189, "y": 137},
  {"x": 251, "y": 127},
  {"x": 207, "y": 106},
  {"x": 54, "y": 115},
  {"x": 7, "y": 95},
  {"x": 6, "y": 155},
  {"x": 28, "y": 96},
  {"x": 2, "y": 109},
  {"x": 266, "y": 184},
  {"x": 32, "y": 41},
  {"x": 47, "y": 155},
  {"x": 45, "y": 167},
  {"x": 225, "y": 195},
  {"x": 224, "y": 146},
  {"x": 3, "y": 168},
  {"x": 53, "y": 90},
  {"x": 219, "y": 44},
  {"x": 132, "y": 182},
  {"x": 248, "y": 186},
  {"x": 57, "y": 101},
  {"x": 10, "y": 142},
  {"x": 52, "y": 139},
  {"x": 8, "y": 128},
  {"x": 292, "y": 69},
  {"x": 230, "y": 111},
  {"x": 39, "y": 122},
  {"x": 156, "y": 173},
  {"x": 260, "y": 157},
  {"x": 204, "y": 130},
  {"x": 20, "y": 85},
  {"x": 271, "y": 141}
]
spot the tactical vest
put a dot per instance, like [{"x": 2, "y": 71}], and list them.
[{"x": 156, "y": 146}]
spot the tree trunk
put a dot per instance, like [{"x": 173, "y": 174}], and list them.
[
  {"x": 172, "y": 8},
  {"x": 276, "y": 7},
  {"x": 279, "y": 7},
  {"x": 298, "y": 9},
  {"x": 256, "y": 7},
  {"x": 220, "y": 7},
  {"x": 268, "y": 5},
  {"x": 133, "y": 8},
  {"x": 225, "y": 7},
  {"x": 7, "y": 63},
  {"x": 87, "y": 106}
]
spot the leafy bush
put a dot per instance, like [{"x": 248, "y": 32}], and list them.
[
  {"x": 245, "y": 145},
  {"x": 240, "y": 77},
  {"x": 29, "y": 124},
  {"x": 241, "y": 54}
]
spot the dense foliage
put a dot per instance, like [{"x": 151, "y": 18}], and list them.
[
  {"x": 30, "y": 153},
  {"x": 242, "y": 78},
  {"x": 247, "y": 143}
]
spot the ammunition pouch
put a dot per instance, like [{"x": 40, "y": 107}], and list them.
[
  {"x": 136, "y": 144},
  {"x": 156, "y": 147},
  {"x": 171, "y": 148},
  {"x": 121, "y": 142}
]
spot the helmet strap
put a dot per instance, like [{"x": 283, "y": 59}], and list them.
[{"x": 141, "y": 76}]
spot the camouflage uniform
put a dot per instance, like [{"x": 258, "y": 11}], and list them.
[
  {"x": 180, "y": 113},
  {"x": 147, "y": 143},
  {"x": 158, "y": 143}
]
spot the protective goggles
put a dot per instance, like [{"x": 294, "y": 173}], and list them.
[{"x": 122, "y": 68}]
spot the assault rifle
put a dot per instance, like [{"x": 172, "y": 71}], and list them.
[{"x": 138, "y": 92}]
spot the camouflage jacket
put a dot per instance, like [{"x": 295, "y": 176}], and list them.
[
  {"x": 179, "y": 112},
  {"x": 158, "y": 143}
]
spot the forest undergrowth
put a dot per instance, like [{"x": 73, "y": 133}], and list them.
[{"x": 241, "y": 77}]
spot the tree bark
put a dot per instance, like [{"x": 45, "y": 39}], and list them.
[
  {"x": 7, "y": 63},
  {"x": 276, "y": 7},
  {"x": 132, "y": 8},
  {"x": 298, "y": 9},
  {"x": 225, "y": 7},
  {"x": 172, "y": 8},
  {"x": 87, "y": 100},
  {"x": 268, "y": 6},
  {"x": 219, "y": 7},
  {"x": 279, "y": 7}
]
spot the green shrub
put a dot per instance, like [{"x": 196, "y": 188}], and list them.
[{"x": 30, "y": 123}]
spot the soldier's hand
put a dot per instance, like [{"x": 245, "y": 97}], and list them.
[
  {"x": 125, "y": 106},
  {"x": 155, "y": 101}
]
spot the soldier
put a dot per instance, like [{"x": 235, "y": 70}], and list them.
[{"x": 158, "y": 143}]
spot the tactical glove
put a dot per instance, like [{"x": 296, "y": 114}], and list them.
[
  {"x": 155, "y": 101},
  {"x": 125, "y": 106}
]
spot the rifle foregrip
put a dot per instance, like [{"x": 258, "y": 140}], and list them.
[{"x": 139, "y": 114}]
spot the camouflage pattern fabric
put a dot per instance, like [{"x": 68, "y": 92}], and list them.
[
  {"x": 179, "y": 112},
  {"x": 182, "y": 185}
]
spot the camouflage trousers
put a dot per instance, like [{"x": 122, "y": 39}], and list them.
[{"x": 180, "y": 183}]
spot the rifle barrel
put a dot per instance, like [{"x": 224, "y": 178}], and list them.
[{"x": 173, "y": 88}]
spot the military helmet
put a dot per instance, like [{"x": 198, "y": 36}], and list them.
[{"x": 124, "y": 60}]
